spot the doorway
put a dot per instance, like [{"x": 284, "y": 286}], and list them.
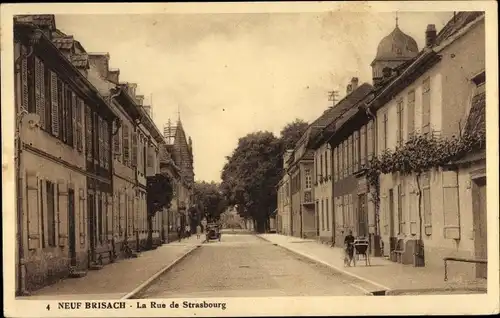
[
  {"x": 92, "y": 221},
  {"x": 71, "y": 227},
  {"x": 392, "y": 239},
  {"x": 480, "y": 224},
  {"x": 362, "y": 216}
]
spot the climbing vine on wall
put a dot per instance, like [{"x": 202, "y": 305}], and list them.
[{"x": 420, "y": 153}]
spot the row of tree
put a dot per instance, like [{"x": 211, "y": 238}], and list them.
[{"x": 253, "y": 170}]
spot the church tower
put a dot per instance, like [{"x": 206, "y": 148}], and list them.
[{"x": 393, "y": 50}]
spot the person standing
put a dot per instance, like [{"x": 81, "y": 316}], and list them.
[
  {"x": 187, "y": 231},
  {"x": 198, "y": 231},
  {"x": 349, "y": 248}
]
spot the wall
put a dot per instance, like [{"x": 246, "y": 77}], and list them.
[
  {"x": 460, "y": 62},
  {"x": 323, "y": 192},
  {"x": 45, "y": 265}
]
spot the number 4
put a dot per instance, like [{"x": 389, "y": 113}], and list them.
[{"x": 48, "y": 307}]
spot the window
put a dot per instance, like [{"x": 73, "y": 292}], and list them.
[
  {"x": 322, "y": 174},
  {"x": 384, "y": 131},
  {"x": 308, "y": 178},
  {"x": 426, "y": 199},
  {"x": 327, "y": 215},
  {"x": 426, "y": 105},
  {"x": 51, "y": 214},
  {"x": 411, "y": 113},
  {"x": 345, "y": 205},
  {"x": 42, "y": 211},
  {"x": 370, "y": 141},
  {"x": 322, "y": 216},
  {"x": 96, "y": 138},
  {"x": 335, "y": 164},
  {"x": 316, "y": 164},
  {"x": 40, "y": 91},
  {"x": 399, "y": 108},
  {"x": 362, "y": 146},
  {"x": 106, "y": 155},
  {"x": 126, "y": 145},
  {"x": 88, "y": 132},
  {"x": 326, "y": 163},
  {"x": 357, "y": 159},
  {"x": 100, "y": 136},
  {"x": 344, "y": 155},
  {"x": 68, "y": 115}
]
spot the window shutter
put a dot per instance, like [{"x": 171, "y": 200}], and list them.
[
  {"x": 106, "y": 145},
  {"x": 79, "y": 129},
  {"x": 81, "y": 211},
  {"x": 62, "y": 211},
  {"x": 134, "y": 150},
  {"x": 398, "y": 127},
  {"x": 24, "y": 83},
  {"x": 74, "y": 110},
  {"x": 126, "y": 145},
  {"x": 411, "y": 113},
  {"x": 369, "y": 140},
  {"x": 116, "y": 144},
  {"x": 34, "y": 210},
  {"x": 88, "y": 126},
  {"x": 451, "y": 205},
  {"x": 101, "y": 141},
  {"x": 40, "y": 91},
  {"x": 54, "y": 103}
]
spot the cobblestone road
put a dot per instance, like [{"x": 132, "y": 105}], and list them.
[{"x": 245, "y": 265}]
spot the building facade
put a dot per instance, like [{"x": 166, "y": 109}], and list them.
[
  {"x": 431, "y": 97},
  {"x": 64, "y": 166},
  {"x": 283, "y": 221},
  {"x": 340, "y": 149}
]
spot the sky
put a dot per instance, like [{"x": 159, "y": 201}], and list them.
[{"x": 232, "y": 74}]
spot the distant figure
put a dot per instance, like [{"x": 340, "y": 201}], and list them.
[
  {"x": 179, "y": 233},
  {"x": 198, "y": 231},
  {"x": 349, "y": 248},
  {"x": 187, "y": 231}
]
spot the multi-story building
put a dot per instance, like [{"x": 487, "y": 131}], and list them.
[
  {"x": 432, "y": 95},
  {"x": 149, "y": 164},
  {"x": 341, "y": 205},
  {"x": 64, "y": 158},
  {"x": 283, "y": 222},
  {"x": 181, "y": 149}
]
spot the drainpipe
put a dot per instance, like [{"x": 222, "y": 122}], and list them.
[
  {"x": 21, "y": 270},
  {"x": 376, "y": 204}
]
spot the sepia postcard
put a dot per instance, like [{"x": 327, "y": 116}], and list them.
[{"x": 250, "y": 159}]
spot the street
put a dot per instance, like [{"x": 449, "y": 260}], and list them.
[{"x": 243, "y": 265}]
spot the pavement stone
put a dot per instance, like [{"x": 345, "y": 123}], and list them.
[
  {"x": 116, "y": 280},
  {"x": 382, "y": 274}
]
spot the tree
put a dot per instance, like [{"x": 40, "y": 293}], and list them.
[
  {"x": 292, "y": 132},
  {"x": 209, "y": 199},
  {"x": 251, "y": 174},
  {"x": 159, "y": 195}
]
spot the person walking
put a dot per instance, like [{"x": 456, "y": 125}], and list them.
[
  {"x": 179, "y": 233},
  {"x": 349, "y": 249},
  {"x": 198, "y": 231}
]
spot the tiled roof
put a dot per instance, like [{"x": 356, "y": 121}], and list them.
[
  {"x": 80, "y": 60},
  {"x": 477, "y": 116},
  {"x": 63, "y": 43},
  {"x": 332, "y": 114},
  {"x": 459, "y": 21},
  {"x": 41, "y": 20}
]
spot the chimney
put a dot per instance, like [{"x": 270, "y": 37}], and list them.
[
  {"x": 114, "y": 76},
  {"x": 430, "y": 35},
  {"x": 101, "y": 62},
  {"x": 131, "y": 87},
  {"x": 147, "y": 109},
  {"x": 139, "y": 99},
  {"x": 349, "y": 89},
  {"x": 354, "y": 84}
]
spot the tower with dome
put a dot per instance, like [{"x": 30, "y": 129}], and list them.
[{"x": 393, "y": 50}]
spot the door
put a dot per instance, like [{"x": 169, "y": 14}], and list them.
[
  {"x": 92, "y": 221},
  {"x": 71, "y": 227},
  {"x": 480, "y": 225},
  {"x": 362, "y": 216}
]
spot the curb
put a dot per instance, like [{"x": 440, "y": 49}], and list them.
[
  {"x": 328, "y": 265},
  {"x": 148, "y": 282}
]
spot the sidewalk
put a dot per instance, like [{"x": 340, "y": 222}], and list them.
[
  {"x": 381, "y": 275},
  {"x": 116, "y": 280}
]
